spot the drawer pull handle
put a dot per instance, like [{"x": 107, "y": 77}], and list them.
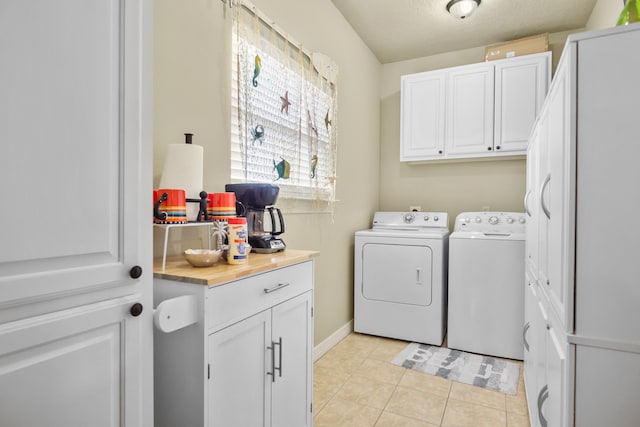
[
  {"x": 275, "y": 288},
  {"x": 524, "y": 335}
]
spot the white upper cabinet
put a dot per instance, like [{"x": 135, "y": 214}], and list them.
[
  {"x": 470, "y": 110},
  {"x": 473, "y": 111},
  {"x": 423, "y": 112},
  {"x": 521, "y": 85}
]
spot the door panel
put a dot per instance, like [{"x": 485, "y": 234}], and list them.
[
  {"x": 64, "y": 369},
  {"x": 72, "y": 200},
  {"x": 408, "y": 282}
]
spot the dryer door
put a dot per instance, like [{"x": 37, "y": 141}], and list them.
[{"x": 397, "y": 273}]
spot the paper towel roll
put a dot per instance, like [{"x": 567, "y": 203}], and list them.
[{"x": 183, "y": 169}]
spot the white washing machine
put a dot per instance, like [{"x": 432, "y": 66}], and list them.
[
  {"x": 400, "y": 276},
  {"x": 486, "y": 283}
]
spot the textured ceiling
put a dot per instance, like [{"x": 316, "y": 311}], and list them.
[{"x": 396, "y": 30}]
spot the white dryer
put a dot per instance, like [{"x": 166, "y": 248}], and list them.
[
  {"x": 400, "y": 276},
  {"x": 486, "y": 284}
]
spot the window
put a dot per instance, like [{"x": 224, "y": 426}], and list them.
[{"x": 284, "y": 112}]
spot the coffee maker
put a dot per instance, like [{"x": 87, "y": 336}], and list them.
[{"x": 257, "y": 199}]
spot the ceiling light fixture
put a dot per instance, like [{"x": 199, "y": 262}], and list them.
[{"x": 462, "y": 9}]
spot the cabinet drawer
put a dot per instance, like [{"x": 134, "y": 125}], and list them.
[{"x": 234, "y": 301}]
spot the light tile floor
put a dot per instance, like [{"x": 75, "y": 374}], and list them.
[{"x": 355, "y": 384}]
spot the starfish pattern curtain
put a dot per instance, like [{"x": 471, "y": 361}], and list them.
[{"x": 284, "y": 127}]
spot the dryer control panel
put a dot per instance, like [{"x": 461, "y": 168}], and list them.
[
  {"x": 491, "y": 222},
  {"x": 410, "y": 220}
]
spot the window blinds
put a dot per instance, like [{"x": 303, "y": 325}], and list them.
[{"x": 284, "y": 108}]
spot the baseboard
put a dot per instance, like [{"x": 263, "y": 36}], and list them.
[{"x": 331, "y": 340}]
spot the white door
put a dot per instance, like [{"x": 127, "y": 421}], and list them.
[
  {"x": 469, "y": 127},
  {"x": 75, "y": 116},
  {"x": 292, "y": 335},
  {"x": 241, "y": 373},
  {"x": 422, "y": 116},
  {"x": 521, "y": 85}
]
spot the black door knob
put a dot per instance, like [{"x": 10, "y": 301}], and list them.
[
  {"x": 136, "y": 309},
  {"x": 135, "y": 272}
]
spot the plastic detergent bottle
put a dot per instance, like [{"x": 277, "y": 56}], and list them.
[{"x": 237, "y": 240}]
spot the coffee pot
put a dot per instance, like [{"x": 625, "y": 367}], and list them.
[{"x": 258, "y": 199}]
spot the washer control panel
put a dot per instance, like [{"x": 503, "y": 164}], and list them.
[
  {"x": 410, "y": 220},
  {"x": 491, "y": 222}
]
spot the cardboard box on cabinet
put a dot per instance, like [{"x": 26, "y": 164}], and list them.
[{"x": 519, "y": 47}]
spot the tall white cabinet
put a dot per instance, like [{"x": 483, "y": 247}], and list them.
[
  {"x": 472, "y": 111},
  {"x": 75, "y": 258},
  {"x": 582, "y": 341}
]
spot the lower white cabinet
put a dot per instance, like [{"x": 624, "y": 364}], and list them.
[
  {"x": 545, "y": 355},
  {"x": 247, "y": 361}
]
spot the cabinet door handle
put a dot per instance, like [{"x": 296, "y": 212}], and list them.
[
  {"x": 544, "y": 186},
  {"x": 273, "y": 362},
  {"x": 524, "y": 335},
  {"x": 542, "y": 396},
  {"x": 526, "y": 203},
  {"x": 279, "y": 367},
  {"x": 276, "y": 288}
]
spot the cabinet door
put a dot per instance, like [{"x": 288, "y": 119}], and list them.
[
  {"x": 531, "y": 353},
  {"x": 422, "y": 113},
  {"x": 293, "y": 340},
  {"x": 559, "y": 194},
  {"x": 543, "y": 201},
  {"x": 75, "y": 367},
  {"x": 241, "y": 373},
  {"x": 469, "y": 126},
  {"x": 553, "y": 406},
  {"x": 539, "y": 342},
  {"x": 531, "y": 205},
  {"x": 521, "y": 85}
]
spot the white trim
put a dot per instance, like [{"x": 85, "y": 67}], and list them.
[{"x": 333, "y": 339}]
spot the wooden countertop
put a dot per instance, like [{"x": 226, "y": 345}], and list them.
[{"x": 178, "y": 269}]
